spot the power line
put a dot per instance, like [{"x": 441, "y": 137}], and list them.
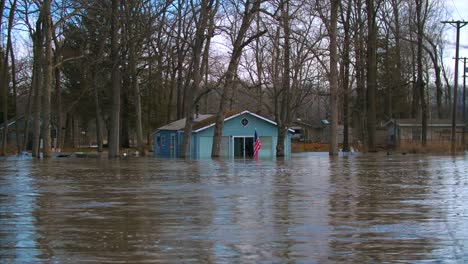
[{"x": 456, "y": 9}]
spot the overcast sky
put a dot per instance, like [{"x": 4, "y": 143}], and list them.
[{"x": 459, "y": 12}]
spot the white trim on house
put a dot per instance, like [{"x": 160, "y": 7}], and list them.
[
  {"x": 241, "y": 113},
  {"x": 234, "y": 147}
]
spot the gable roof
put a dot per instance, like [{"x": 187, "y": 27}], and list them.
[
  {"x": 230, "y": 115},
  {"x": 208, "y": 120},
  {"x": 212, "y": 120},
  {"x": 180, "y": 124}
]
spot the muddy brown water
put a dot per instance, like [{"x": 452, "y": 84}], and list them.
[{"x": 310, "y": 209}]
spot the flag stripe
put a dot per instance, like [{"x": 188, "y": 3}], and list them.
[{"x": 257, "y": 144}]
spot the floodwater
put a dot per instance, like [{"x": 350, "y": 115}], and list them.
[{"x": 310, "y": 209}]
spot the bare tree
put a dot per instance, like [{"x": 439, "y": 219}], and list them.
[
  {"x": 5, "y": 76},
  {"x": 250, "y": 10},
  {"x": 114, "y": 139},
  {"x": 333, "y": 78},
  {"x": 205, "y": 10},
  {"x": 47, "y": 79},
  {"x": 38, "y": 41},
  {"x": 371, "y": 74}
]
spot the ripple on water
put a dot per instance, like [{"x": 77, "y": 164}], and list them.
[{"x": 312, "y": 208}]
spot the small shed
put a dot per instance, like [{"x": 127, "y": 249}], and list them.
[
  {"x": 14, "y": 124},
  {"x": 236, "y": 141},
  {"x": 410, "y": 131}
]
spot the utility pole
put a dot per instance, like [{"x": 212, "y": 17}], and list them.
[
  {"x": 464, "y": 101},
  {"x": 458, "y": 24}
]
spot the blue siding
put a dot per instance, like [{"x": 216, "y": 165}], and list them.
[
  {"x": 233, "y": 128},
  {"x": 166, "y": 143},
  {"x": 201, "y": 142}
]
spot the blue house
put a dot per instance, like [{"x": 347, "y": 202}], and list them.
[{"x": 236, "y": 141}]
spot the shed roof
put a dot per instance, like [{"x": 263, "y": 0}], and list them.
[
  {"x": 417, "y": 123},
  {"x": 180, "y": 124}
]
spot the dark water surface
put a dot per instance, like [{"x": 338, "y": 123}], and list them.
[{"x": 311, "y": 209}]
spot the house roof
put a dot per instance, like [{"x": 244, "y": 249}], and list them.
[
  {"x": 430, "y": 123},
  {"x": 212, "y": 120},
  {"x": 230, "y": 115},
  {"x": 11, "y": 122},
  {"x": 208, "y": 120},
  {"x": 180, "y": 124}
]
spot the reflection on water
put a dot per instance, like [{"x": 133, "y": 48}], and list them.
[{"x": 310, "y": 209}]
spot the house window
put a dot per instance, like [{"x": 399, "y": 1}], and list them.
[
  {"x": 244, "y": 122},
  {"x": 158, "y": 141}
]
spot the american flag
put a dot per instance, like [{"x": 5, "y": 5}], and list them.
[{"x": 257, "y": 144}]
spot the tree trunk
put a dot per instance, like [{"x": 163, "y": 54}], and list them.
[
  {"x": 205, "y": 11},
  {"x": 125, "y": 114},
  {"x": 258, "y": 62},
  {"x": 25, "y": 142},
  {"x": 448, "y": 97},
  {"x": 15, "y": 99},
  {"x": 333, "y": 79},
  {"x": 345, "y": 76},
  {"x": 47, "y": 81},
  {"x": 438, "y": 79},
  {"x": 420, "y": 83},
  {"x": 114, "y": 142},
  {"x": 371, "y": 74},
  {"x": 284, "y": 114},
  {"x": 398, "y": 71},
  {"x": 38, "y": 41},
  {"x": 360, "y": 74},
  {"x": 238, "y": 46},
  {"x": 5, "y": 77},
  {"x": 5, "y": 99},
  {"x": 4, "y": 83},
  {"x": 136, "y": 93},
  {"x": 99, "y": 122},
  {"x": 416, "y": 95},
  {"x": 180, "y": 61},
  {"x": 58, "y": 91}
]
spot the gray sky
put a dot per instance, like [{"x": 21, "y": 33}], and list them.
[{"x": 459, "y": 12}]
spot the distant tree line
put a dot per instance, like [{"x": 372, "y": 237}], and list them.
[{"x": 131, "y": 66}]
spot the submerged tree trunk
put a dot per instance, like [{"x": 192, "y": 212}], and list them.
[
  {"x": 5, "y": 78},
  {"x": 4, "y": 84},
  {"x": 58, "y": 144},
  {"x": 205, "y": 11},
  {"x": 137, "y": 96},
  {"x": 420, "y": 82},
  {"x": 114, "y": 140},
  {"x": 47, "y": 81},
  {"x": 27, "y": 117},
  {"x": 238, "y": 46},
  {"x": 360, "y": 110},
  {"x": 333, "y": 78},
  {"x": 38, "y": 41},
  {"x": 371, "y": 74},
  {"x": 99, "y": 122},
  {"x": 15, "y": 99},
  {"x": 284, "y": 114},
  {"x": 345, "y": 75}
]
